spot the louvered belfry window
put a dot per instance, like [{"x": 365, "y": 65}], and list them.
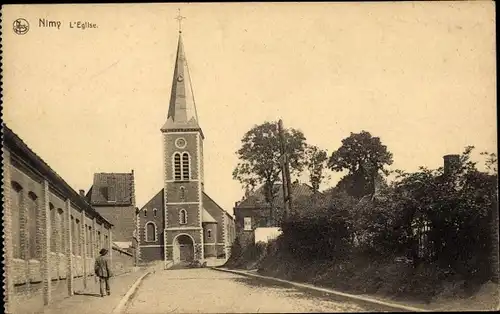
[
  {"x": 185, "y": 166},
  {"x": 177, "y": 167}
]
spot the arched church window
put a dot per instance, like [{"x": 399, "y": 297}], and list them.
[
  {"x": 185, "y": 166},
  {"x": 182, "y": 193},
  {"x": 177, "y": 167},
  {"x": 183, "y": 217},
  {"x": 155, "y": 212},
  {"x": 150, "y": 232}
]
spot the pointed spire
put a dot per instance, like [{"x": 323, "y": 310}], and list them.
[{"x": 182, "y": 110}]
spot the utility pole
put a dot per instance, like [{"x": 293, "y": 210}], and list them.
[{"x": 285, "y": 172}]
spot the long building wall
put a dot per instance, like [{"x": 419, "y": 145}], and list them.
[{"x": 50, "y": 234}]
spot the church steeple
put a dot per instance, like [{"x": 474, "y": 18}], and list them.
[{"x": 182, "y": 109}]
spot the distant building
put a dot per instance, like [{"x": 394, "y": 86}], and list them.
[
  {"x": 113, "y": 196},
  {"x": 181, "y": 223},
  {"x": 254, "y": 212}
]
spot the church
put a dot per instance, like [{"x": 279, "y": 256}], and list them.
[{"x": 181, "y": 223}]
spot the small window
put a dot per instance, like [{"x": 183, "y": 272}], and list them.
[
  {"x": 112, "y": 194},
  {"x": 247, "y": 223},
  {"x": 209, "y": 233},
  {"x": 182, "y": 193},
  {"x": 145, "y": 212},
  {"x": 155, "y": 212},
  {"x": 182, "y": 217},
  {"x": 150, "y": 232},
  {"x": 104, "y": 192}
]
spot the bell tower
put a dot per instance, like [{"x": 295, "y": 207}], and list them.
[{"x": 183, "y": 169}]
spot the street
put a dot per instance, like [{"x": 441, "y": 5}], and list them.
[{"x": 211, "y": 291}]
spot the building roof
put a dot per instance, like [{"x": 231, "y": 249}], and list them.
[
  {"x": 211, "y": 199},
  {"x": 14, "y": 143},
  {"x": 182, "y": 109},
  {"x": 112, "y": 189},
  {"x": 123, "y": 245},
  {"x": 206, "y": 217},
  {"x": 257, "y": 198}
]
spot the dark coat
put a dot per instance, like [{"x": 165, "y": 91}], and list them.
[{"x": 101, "y": 267}]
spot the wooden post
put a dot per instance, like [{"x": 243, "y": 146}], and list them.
[{"x": 285, "y": 172}]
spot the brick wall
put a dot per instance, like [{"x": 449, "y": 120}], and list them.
[
  {"x": 38, "y": 242},
  {"x": 122, "y": 262},
  {"x": 123, "y": 220},
  {"x": 151, "y": 253},
  {"x": 147, "y": 214},
  {"x": 191, "y": 148}
]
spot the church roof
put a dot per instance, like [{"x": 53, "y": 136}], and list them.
[
  {"x": 112, "y": 189},
  {"x": 182, "y": 109},
  {"x": 207, "y": 217}
]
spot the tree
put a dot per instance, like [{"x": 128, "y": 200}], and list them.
[
  {"x": 363, "y": 156},
  {"x": 316, "y": 159},
  {"x": 458, "y": 207},
  {"x": 492, "y": 167},
  {"x": 260, "y": 154}
]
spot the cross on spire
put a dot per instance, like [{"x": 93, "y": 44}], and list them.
[{"x": 179, "y": 18}]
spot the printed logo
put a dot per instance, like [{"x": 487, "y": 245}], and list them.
[{"x": 21, "y": 26}]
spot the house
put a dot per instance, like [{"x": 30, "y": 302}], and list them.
[
  {"x": 113, "y": 196},
  {"x": 254, "y": 212}
]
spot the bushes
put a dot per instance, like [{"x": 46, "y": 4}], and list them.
[
  {"x": 247, "y": 256},
  {"x": 439, "y": 221}
]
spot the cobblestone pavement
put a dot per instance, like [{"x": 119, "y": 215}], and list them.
[
  {"x": 89, "y": 300},
  {"x": 210, "y": 291}
]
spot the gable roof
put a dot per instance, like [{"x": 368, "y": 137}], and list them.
[
  {"x": 21, "y": 150},
  {"x": 112, "y": 189},
  {"x": 211, "y": 199},
  {"x": 257, "y": 198},
  {"x": 206, "y": 217}
]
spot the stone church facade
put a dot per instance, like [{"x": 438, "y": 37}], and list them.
[{"x": 181, "y": 223}]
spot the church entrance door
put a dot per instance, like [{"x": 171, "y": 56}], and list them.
[{"x": 183, "y": 249}]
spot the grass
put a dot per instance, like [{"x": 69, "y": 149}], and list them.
[{"x": 425, "y": 286}]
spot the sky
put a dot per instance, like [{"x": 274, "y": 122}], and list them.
[{"x": 421, "y": 76}]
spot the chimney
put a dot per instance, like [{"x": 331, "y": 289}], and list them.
[
  {"x": 450, "y": 163},
  {"x": 82, "y": 193}
]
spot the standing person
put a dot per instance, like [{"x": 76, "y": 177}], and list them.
[{"x": 103, "y": 271}]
